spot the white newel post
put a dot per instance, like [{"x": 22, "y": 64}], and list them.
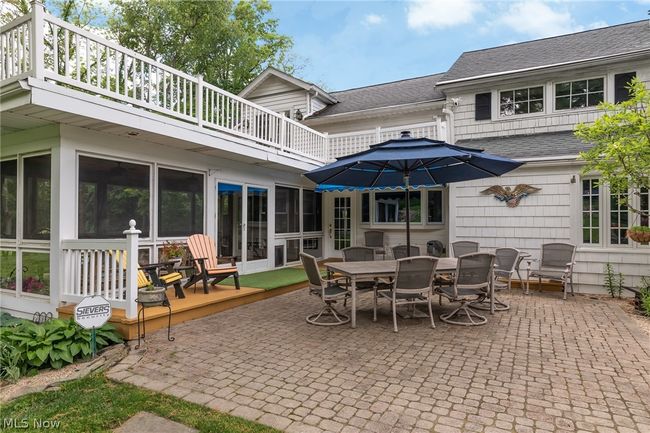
[
  {"x": 37, "y": 45},
  {"x": 283, "y": 133},
  {"x": 199, "y": 100},
  {"x": 326, "y": 140},
  {"x": 132, "y": 235}
]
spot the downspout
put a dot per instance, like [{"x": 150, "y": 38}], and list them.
[{"x": 449, "y": 114}]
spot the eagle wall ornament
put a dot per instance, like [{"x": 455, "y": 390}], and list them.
[{"x": 512, "y": 197}]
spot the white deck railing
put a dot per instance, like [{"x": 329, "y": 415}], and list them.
[
  {"x": 47, "y": 48},
  {"x": 352, "y": 142},
  {"x": 107, "y": 268}
]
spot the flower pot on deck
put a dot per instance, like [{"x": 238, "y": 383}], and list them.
[{"x": 152, "y": 297}]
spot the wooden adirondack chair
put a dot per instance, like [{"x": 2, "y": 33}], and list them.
[
  {"x": 204, "y": 255},
  {"x": 150, "y": 274}
]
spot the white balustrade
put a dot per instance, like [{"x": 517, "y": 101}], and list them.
[
  {"x": 347, "y": 143},
  {"x": 104, "y": 267},
  {"x": 68, "y": 55}
]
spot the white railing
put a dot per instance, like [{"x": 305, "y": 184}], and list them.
[
  {"x": 352, "y": 142},
  {"x": 45, "y": 47},
  {"x": 107, "y": 268}
]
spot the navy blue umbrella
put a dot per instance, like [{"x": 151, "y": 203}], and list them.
[{"x": 406, "y": 162}]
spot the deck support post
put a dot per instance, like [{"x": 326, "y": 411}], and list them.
[
  {"x": 132, "y": 235},
  {"x": 37, "y": 44}
]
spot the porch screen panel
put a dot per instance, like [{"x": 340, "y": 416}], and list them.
[
  {"x": 287, "y": 210},
  {"x": 8, "y": 194},
  {"x": 365, "y": 207},
  {"x": 257, "y": 224},
  {"x": 312, "y": 211},
  {"x": 8, "y": 270},
  {"x": 36, "y": 197},
  {"x": 434, "y": 206},
  {"x": 229, "y": 222},
  {"x": 590, "y": 211},
  {"x": 180, "y": 203},
  {"x": 110, "y": 194}
]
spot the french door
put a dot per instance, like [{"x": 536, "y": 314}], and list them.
[
  {"x": 340, "y": 229},
  {"x": 242, "y": 224}
]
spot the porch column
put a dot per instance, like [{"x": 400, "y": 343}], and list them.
[{"x": 132, "y": 235}]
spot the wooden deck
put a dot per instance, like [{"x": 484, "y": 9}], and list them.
[{"x": 193, "y": 306}]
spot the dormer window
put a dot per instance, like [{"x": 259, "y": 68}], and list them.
[
  {"x": 579, "y": 94},
  {"x": 521, "y": 101}
]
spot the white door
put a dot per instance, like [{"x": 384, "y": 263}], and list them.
[
  {"x": 242, "y": 224},
  {"x": 340, "y": 230}
]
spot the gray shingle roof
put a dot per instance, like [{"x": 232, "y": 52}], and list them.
[
  {"x": 530, "y": 146},
  {"x": 407, "y": 91},
  {"x": 607, "y": 41}
]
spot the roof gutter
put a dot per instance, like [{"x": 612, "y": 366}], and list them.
[
  {"x": 316, "y": 119},
  {"x": 624, "y": 56}
]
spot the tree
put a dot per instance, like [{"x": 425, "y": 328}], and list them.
[
  {"x": 228, "y": 42},
  {"x": 621, "y": 145},
  {"x": 81, "y": 13}
]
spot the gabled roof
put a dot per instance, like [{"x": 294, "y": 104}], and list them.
[
  {"x": 271, "y": 71},
  {"x": 408, "y": 91},
  {"x": 551, "y": 144},
  {"x": 588, "y": 45}
]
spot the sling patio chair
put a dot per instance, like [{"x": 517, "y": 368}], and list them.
[
  {"x": 329, "y": 290},
  {"x": 412, "y": 285},
  {"x": 472, "y": 280},
  {"x": 460, "y": 248},
  {"x": 362, "y": 254},
  {"x": 375, "y": 240},
  {"x": 204, "y": 255},
  {"x": 400, "y": 251},
  {"x": 506, "y": 260},
  {"x": 556, "y": 264}
]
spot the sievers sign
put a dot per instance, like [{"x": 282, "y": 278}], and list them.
[{"x": 92, "y": 312}]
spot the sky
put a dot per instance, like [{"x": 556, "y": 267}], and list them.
[{"x": 347, "y": 44}]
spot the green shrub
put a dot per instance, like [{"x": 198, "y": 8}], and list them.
[
  {"x": 9, "y": 362},
  {"x": 54, "y": 343},
  {"x": 610, "y": 279},
  {"x": 645, "y": 295}
]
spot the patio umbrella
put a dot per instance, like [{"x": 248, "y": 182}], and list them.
[{"x": 409, "y": 162}]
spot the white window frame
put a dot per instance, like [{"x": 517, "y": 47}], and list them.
[
  {"x": 519, "y": 116},
  {"x": 424, "y": 211},
  {"x": 572, "y": 109}
]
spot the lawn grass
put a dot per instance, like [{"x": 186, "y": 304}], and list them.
[
  {"x": 269, "y": 280},
  {"x": 96, "y": 404}
]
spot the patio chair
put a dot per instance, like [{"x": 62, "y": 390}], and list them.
[
  {"x": 556, "y": 264},
  {"x": 412, "y": 285},
  {"x": 360, "y": 254},
  {"x": 375, "y": 240},
  {"x": 400, "y": 251},
  {"x": 460, "y": 248},
  {"x": 329, "y": 290},
  {"x": 506, "y": 260},
  {"x": 471, "y": 284},
  {"x": 151, "y": 274},
  {"x": 204, "y": 255}
]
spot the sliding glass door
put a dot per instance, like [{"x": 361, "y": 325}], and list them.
[{"x": 242, "y": 220}]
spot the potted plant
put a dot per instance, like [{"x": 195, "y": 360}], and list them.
[
  {"x": 173, "y": 252},
  {"x": 151, "y": 296},
  {"x": 639, "y": 234}
]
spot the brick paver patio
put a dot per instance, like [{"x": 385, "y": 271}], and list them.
[{"x": 546, "y": 365}]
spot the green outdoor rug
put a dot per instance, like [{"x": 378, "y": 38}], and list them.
[{"x": 269, "y": 280}]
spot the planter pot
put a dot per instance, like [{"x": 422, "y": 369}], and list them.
[
  {"x": 152, "y": 298},
  {"x": 641, "y": 237}
]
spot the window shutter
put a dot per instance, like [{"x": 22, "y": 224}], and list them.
[
  {"x": 483, "y": 104},
  {"x": 621, "y": 93}
]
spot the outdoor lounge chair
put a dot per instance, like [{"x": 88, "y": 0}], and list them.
[
  {"x": 556, "y": 264},
  {"x": 375, "y": 240},
  {"x": 412, "y": 285},
  {"x": 150, "y": 274},
  {"x": 506, "y": 260},
  {"x": 460, "y": 248},
  {"x": 400, "y": 251},
  {"x": 329, "y": 290},
  {"x": 206, "y": 263},
  {"x": 474, "y": 273}
]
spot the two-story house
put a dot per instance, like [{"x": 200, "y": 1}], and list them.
[{"x": 521, "y": 101}]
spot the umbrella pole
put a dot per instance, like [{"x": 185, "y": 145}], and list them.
[{"x": 408, "y": 215}]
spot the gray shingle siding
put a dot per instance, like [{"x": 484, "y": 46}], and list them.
[
  {"x": 608, "y": 41},
  {"x": 530, "y": 146},
  {"x": 407, "y": 91}
]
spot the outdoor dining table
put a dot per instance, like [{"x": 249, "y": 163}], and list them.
[{"x": 365, "y": 270}]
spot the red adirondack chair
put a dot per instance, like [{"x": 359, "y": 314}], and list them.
[{"x": 204, "y": 255}]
